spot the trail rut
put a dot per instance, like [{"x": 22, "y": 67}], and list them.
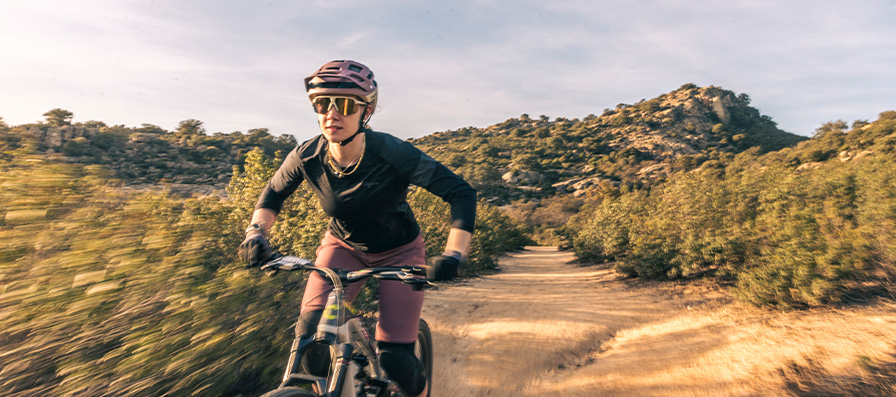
[{"x": 544, "y": 326}]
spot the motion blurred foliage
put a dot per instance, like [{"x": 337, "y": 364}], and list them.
[
  {"x": 105, "y": 292},
  {"x": 783, "y": 228}
]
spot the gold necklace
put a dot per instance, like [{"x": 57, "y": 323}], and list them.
[{"x": 343, "y": 172}]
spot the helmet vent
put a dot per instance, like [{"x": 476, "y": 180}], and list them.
[{"x": 354, "y": 68}]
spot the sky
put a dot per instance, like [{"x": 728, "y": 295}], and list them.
[{"x": 441, "y": 65}]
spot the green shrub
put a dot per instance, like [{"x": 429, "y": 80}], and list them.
[
  {"x": 603, "y": 229},
  {"x": 109, "y": 293},
  {"x": 76, "y": 147},
  {"x": 494, "y": 235},
  {"x": 784, "y": 238}
]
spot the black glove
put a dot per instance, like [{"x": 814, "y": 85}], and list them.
[
  {"x": 255, "y": 249},
  {"x": 443, "y": 267}
]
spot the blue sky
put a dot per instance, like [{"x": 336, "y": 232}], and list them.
[{"x": 238, "y": 65}]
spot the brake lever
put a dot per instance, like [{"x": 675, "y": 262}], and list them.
[
  {"x": 269, "y": 267},
  {"x": 280, "y": 261},
  {"x": 292, "y": 264},
  {"x": 421, "y": 285}
]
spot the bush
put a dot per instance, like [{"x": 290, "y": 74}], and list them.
[
  {"x": 603, "y": 228},
  {"x": 131, "y": 295},
  {"x": 786, "y": 239},
  {"x": 106, "y": 293},
  {"x": 494, "y": 235},
  {"x": 76, "y": 147}
]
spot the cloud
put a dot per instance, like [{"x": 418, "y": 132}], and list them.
[{"x": 441, "y": 65}]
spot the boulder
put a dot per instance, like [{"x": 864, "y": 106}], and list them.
[
  {"x": 522, "y": 177},
  {"x": 655, "y": 171},
  {"x": 691, "y": 106},
  {"x": 142, "y": 137},
  {"x": 864, "y": 153},
  {"x": 720, "y": 107},
  {"x": 844, "y": 156},
  {"x": 808, "y": 166}
]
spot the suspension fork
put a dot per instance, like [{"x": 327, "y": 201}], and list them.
[
  {"x": 344, "y": 353},
  {"x": 295, "y": 356}
]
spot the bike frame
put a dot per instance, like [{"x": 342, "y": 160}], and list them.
[{"x": 347, "y": 330}]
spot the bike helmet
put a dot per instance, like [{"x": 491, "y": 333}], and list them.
[{"x": 343, "y": 78}]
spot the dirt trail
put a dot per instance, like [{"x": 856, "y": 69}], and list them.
[{"x": 543, "y": 326}]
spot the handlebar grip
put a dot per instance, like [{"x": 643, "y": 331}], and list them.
[{"x": 279, "y": 261}]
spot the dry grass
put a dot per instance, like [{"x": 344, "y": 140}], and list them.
[{"x": 870, "y": 377}]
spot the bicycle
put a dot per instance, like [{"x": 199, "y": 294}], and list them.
[{"x": 354, "y": 364}]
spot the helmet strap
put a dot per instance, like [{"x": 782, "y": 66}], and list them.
[{"x": 361, "y": 128}]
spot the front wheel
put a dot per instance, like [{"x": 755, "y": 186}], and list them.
[
  {"x": 423, "y": 351},
  {"x": 289, "y": 392}
]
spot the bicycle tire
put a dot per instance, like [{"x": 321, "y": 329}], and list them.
[
  {"x": 289, "y": 392},
  {"x": 423, "y": 351}
]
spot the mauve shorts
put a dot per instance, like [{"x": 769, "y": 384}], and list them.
[{"x": 399, "y": 305}]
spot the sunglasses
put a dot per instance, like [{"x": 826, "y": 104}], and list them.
[{"x": 344, "y": 105}]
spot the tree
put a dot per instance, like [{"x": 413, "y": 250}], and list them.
[
  {"x": 859, "y": 124},
  {"x": 258, "y": 132},
  {"x": 190, "y": 127},
  {"x": 58, "y": 117},
  {"x": 839, "y": 126},
  {"x": 151, "y": 129}
]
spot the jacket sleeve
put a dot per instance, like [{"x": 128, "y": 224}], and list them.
[
  {"x": 426, "y": 172},
  {"x": 282, "y": 184}
]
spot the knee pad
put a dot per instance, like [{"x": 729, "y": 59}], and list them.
[
  {"x": 316, "y": 357},
  {"x": 400, "y": 364}
]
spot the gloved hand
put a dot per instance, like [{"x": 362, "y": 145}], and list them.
[
  {"x": 443, "y": 267},
  {"x": 255, "y": 249}
]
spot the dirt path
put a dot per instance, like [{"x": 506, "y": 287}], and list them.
[{"x": 543, "y": 326}]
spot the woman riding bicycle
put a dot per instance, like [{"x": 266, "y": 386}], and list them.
[{"x": 361, "y": 178}]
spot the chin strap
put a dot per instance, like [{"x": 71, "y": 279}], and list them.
[{"x": 361, "y": 128}]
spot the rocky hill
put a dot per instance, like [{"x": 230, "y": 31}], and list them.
[
  {"x": 636, "y": 145},
  {"x": 521, "y": 158}
]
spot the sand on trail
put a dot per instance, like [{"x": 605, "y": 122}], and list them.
[{"x": 545, "y": 326}]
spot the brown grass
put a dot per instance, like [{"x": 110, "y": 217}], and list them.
[{"x": 869, "y": 377}]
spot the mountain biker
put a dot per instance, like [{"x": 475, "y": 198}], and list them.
[{"x": 361, "y": 178}]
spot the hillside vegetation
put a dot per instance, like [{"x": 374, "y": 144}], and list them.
[
  {"x": 111, "y": 291},
  {"x": 635, "y": 145},
  {"x": 809, "y": 225},
  {"x": 186, "y": 159},
  {"x": 696, "y": 183}
]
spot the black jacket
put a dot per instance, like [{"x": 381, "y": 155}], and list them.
[{"x": 368, "y": 208}]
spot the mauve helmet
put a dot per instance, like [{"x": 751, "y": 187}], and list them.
[{"x": 343, "y": 77}]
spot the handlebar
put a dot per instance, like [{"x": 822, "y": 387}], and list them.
[{"x": 415, "y": 276}]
